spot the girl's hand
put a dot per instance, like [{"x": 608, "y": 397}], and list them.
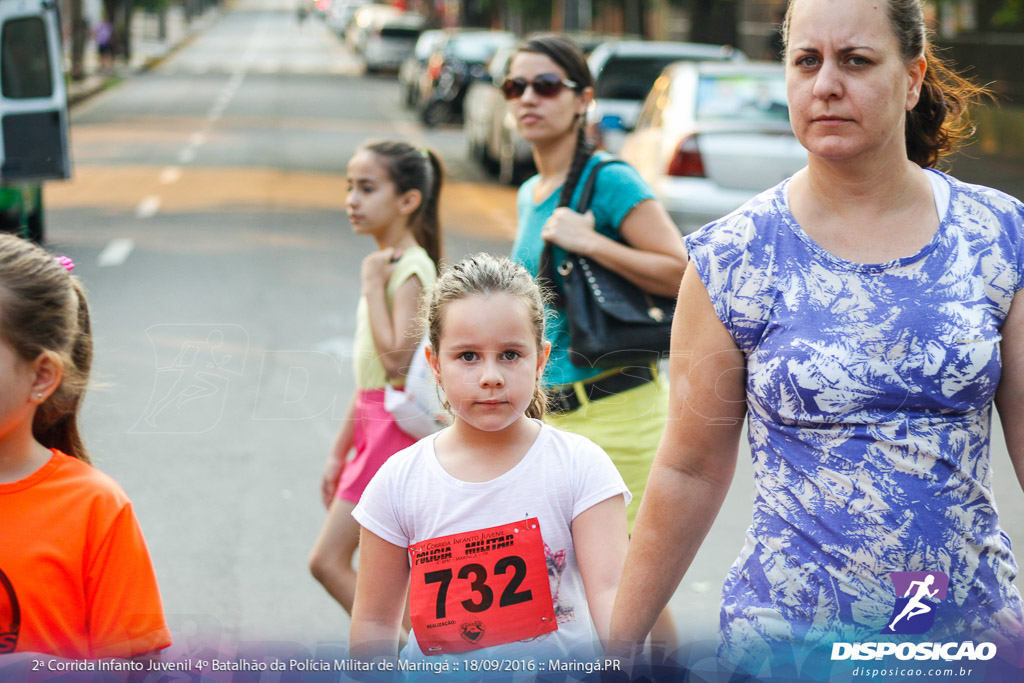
[
  {"x": 329, "y": 481},
  {"x": 377, "y": 268},
  {"x": 570, "y": 230}
]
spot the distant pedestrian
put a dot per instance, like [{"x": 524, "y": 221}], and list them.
[
  {"x": 623, "y": 410},
  {"x": 507, "y": 534},
  {"x": 103, "y": 34},
  {"x": 865, "y": 315},
  {"x": 393, "y": 195},
  {"x": 76, "y": 579}
]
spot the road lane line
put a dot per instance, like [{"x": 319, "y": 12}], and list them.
[
  {"x": 148, "y": 207},
  {"x": 197, "y": 139},
  {"x": 170, "y": 175},
  {"x": 116, "y": 252}
]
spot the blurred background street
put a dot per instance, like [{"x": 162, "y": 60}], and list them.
[{"x": 206, "y": 217}]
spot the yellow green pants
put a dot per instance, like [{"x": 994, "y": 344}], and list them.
[{"x": 627, "y": 426}]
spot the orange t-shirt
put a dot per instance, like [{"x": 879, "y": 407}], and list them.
[{"x": 76, "y": 580}]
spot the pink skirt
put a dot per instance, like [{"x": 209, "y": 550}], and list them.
[{"x": 376, "y": 437}]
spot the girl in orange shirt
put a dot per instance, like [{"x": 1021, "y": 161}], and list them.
[{"x": 76, "y": 579}]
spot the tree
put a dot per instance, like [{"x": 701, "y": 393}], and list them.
[{"x": 712, "y": 21}]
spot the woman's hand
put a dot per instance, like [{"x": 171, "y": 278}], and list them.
[
  {"x": 571, "y": 231},
  {"x": 377, "y": 268}
]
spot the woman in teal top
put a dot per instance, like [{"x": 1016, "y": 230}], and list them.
[
  {"x": 618, "y": 189},
  {"x": 549, "y": 88}
]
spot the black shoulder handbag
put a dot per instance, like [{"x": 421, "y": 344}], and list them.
[{"x": 612, "y": 322}]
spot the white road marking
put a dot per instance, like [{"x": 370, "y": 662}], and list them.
[
  {"x": 148, "y": 207},
  {"x": 170, "y": 175},
  {"x": 187, "y": 155},
  {"x": 116, "y": 252}
]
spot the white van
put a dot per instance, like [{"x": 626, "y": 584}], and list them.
[{"x": 33, "y": 112}]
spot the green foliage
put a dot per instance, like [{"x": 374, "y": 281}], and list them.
[
  {"x": 152, "y": 5},
  {"x": 1010, "y": 14}
]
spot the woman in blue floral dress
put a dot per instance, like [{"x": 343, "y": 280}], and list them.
[{"x": 864, "y": 315}]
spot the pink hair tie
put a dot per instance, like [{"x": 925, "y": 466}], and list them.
[{"x": 65, "y": 262}]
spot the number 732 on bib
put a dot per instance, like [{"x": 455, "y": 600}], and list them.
[{"x": 480, "y": 588}]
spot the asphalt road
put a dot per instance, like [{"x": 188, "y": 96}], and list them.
[{"x": 206, "y": 217}]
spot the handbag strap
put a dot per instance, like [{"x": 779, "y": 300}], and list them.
[
  {"x": 546, "y": 267},
  {"x": 587, "y": 193}
]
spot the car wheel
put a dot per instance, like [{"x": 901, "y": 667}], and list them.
[
  {"x": 35, "y": 225},
  {"x": 508, "y": 169},
  {"x": 474, "y": 150},
  {"x": 10, "y": 222},
  {"x": 435, "y": 113}
]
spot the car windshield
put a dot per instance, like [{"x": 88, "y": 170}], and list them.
[
  {"x": 630, "y": 77},
  {"x": 745, "y": 97},
  {"x": 400, "y": 32},
  {"x": 476, "y": 47}
]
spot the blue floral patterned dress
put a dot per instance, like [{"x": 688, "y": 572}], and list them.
[{"x": 869, "y": 391}]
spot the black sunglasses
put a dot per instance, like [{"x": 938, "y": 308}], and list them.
[{"x": 545, "y": 85}]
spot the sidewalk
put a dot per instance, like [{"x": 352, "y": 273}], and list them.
[{"x": 148, "y": 49}]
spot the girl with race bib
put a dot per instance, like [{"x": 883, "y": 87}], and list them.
[
  {"x": 508, "y": 534},
  {"x": 393, "y": 193}
]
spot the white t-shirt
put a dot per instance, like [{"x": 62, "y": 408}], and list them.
[{"x": 413, "y": 499}]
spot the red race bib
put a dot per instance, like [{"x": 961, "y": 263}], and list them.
[{"x": 480, "y": 588}]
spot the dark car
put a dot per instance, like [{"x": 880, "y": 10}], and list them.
[
  {"x": 458, "y": 61},
  {"x": 414, "y": 68}
]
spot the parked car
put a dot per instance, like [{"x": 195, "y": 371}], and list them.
[
  {"x": 713, "y": 135},
  {"x": 340, "y": 14},
  {"x": 390, "y": 40},
  {"x": 33, "y": 113},
  {"x": 624, "y": 72},
  {"x": 457, "y": 62},
  {"x": 363, "y": 21},
  {"x": 491, "y": 134},
  {"x": 414, "y": 67}
]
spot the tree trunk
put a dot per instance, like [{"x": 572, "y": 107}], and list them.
[
  {"x": 713, "y": 21},
  {"x": 634, "y": 11},
  {"x": 79, "y": 38}
]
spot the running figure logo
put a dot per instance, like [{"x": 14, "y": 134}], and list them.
[{"x": 918, "y": 595}]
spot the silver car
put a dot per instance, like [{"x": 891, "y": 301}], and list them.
[
  {"x": 624, "y": 71},
  {"x": 390, "y": 40},
  {"x": 711, "y": 136}
]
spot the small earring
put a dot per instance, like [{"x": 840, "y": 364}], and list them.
[{"x": 39, "y": 397}]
